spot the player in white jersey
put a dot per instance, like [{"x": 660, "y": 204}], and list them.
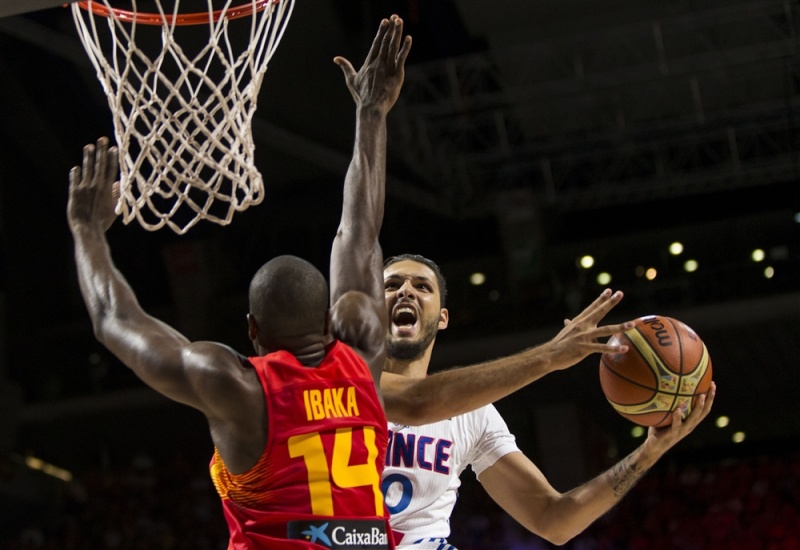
[{"x": 423, "y": 463}]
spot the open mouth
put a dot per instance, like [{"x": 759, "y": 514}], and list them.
[{"x": 404, "y": 319}]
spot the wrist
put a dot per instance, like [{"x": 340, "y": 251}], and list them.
[
  {"x": 371, "y": 110},
  {"x": 648, "y": 454},
  {"x": 542, "y": 358},
  {"x": 85, "y": 229}
]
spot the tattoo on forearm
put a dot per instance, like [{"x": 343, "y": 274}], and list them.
[{"x": 624, "y": 475}]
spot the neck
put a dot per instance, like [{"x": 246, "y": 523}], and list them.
[
  {"x": 413, "y": 368},
  {"x": 310, "y": 356},
  {"x": 309, "y": 350}
]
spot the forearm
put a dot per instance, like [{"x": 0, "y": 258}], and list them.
[
  {"x": 520, "y": 488},
  {"x": 150, "y": 348},
  {"x": 364, "y": 187},
  {"x": 577, "y": 509},
  {"x": 356, "y": 256},
  {"x": 105, "y": 291},
  {"x": 118, "y": 319},
  {"x": 456, "y": 391},
  {"x": 370, "y": 148}
]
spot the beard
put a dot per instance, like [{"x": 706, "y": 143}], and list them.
[{"x": 408, "y": 350}]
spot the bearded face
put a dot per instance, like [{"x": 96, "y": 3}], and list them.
[
  {"x": 407, "y": 349},
  {"x": 415, "y": 313}
]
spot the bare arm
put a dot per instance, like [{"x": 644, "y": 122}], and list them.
[
  {"x": 521, "y": 489},
  {"x": 416, "y": 401},
  {"x": 358, "y": 310},
  {"x": 159, "y": 355}
]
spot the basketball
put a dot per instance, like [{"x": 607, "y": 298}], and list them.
[{"x": 665, "y": 368}]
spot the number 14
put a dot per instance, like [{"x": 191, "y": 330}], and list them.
[{"x": 342, "y": 473}]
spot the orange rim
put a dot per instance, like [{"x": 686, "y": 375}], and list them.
[{"x": 197, "y": 18}]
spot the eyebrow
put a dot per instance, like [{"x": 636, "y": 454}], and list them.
[{"x": 415, "y": 278}]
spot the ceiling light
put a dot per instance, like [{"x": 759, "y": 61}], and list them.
[{"x": 675, "y": 248}]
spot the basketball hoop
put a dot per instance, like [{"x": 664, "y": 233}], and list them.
[{"x": 183, "y": 118}]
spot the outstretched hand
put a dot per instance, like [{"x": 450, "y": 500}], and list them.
[
  {"x": 380, "y": 79},
  {"x": 581, "y": 336},
  {"x": 93, "y": 187}
]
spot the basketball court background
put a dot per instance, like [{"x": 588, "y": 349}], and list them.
[{"x": 528, "y": 133}]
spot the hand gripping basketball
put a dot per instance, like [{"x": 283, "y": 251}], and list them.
[{"x": 666, "y": 369}]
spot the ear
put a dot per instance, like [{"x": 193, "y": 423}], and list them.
[
  {"x": 444, "y": 318},
  {"x": 327, "y": 328},
  {"x": 252, "y": 329}
]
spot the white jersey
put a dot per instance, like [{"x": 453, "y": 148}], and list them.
[{"x": 423, "y": 465}]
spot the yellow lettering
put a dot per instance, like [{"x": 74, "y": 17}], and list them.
[
  {"x": 316, "y": 404},
  {"x": 307, "y": 404},
  {"x": 352, "y": 406},
  {"x": 341, "y": 473},
  {"x": 309, "y": 446},
  {"x": 330, "y": 403},
  {"x": 337, "y": 396},
  {"x": 350, "y": 475},
  {"x": 329, "y": 408}
]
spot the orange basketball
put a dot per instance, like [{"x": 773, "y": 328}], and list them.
[{"x": 665, "y": 368}]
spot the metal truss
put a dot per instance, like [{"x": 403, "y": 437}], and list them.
[{"x": 703, "y": 101}]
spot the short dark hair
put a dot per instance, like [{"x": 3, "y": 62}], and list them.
[
  {"x": 427, "y": 262},
  {"x": 288, "y": 295}
]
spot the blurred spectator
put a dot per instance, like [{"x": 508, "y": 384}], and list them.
[{"x": 169, "y": 504}]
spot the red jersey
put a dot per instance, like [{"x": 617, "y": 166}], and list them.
[{"x": 317, "y": 484}]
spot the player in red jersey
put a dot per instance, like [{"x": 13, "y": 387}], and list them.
[{"x": 299, "y": 430}]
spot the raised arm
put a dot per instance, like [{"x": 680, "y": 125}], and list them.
[
  {"x": 521, "y": 489},
  {"x": 416, "y": 401},
  {"x": 356, "y": 279},
  {"x": 159, "y": 355}
]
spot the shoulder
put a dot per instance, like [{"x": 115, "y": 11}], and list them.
[
  {"x": 493, "y": 439},
  {"x": 222, "y": 375},
  {"x": 474, "y": 424},
  {"x": 481, "y": 415},
  {"x": 484, "y": 426},
  {"x": 214, "y": 359}
]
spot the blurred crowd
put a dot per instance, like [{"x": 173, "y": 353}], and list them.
[{"x": 744, "y": 503}]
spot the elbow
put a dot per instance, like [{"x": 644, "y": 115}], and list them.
[
  {"x": 409, "y": 410},
  {"x": 104, "y": 335},
  {"x": 554, "y": 534},
  {"x": 106, "y": 329},
  {"x": 99, "y": 333},
  {"x": 419, "y": 416},
  {"x": 557, "y": 539},
  {"x": 101, "y": 314},
  {"x": 554, "y": 524},
  {"x": 100, "y": 328}
]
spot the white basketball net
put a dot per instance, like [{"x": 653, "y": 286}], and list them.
[{"x": 183, "y": 120}]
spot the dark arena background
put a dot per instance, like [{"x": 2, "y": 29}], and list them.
[{"x": 529, "y": 134}]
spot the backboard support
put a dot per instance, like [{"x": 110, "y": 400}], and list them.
[{"x": 9, "y": 8}]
